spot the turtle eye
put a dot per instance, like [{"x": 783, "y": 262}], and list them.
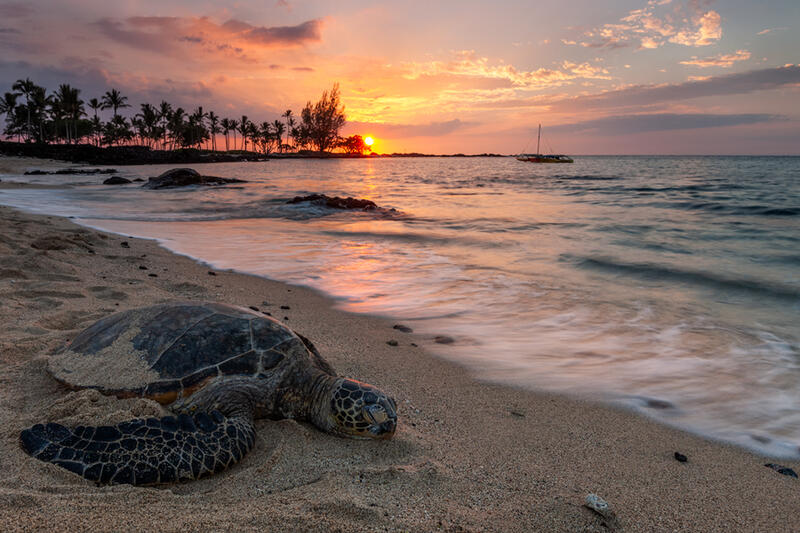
[{"x": 375, "y": 414}]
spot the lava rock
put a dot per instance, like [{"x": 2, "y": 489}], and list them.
[
  {"x": 116, "y": 180},
  {"x": 335, "y": 202},
  {"x": 785, "y": 470},
  {"x": 184, "y": 177}
]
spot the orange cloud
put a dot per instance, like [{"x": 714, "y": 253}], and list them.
[
  {"x": 652, "y": 26},
  {"x": 721, "y": 60}
]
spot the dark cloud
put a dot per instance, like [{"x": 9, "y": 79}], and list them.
[
  {"x": 15, "y": 9},
  {"x": 622, "y": 125},
  {"x": 643, "y": 95},
  {"x": 120, "y": 32},
  {"x": 166, "y": 35},
  {"x": 432, "y": 129},
  {"x": 310, "y": 31}
]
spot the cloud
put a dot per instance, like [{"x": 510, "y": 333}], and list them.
[
  {"x": 468, "y": 64},
  {"x": 431, "y": 129},
  {"x": 654, "y": 25},
  {"x": 769, "y": 30},
  {"x": 707, "y": 30},
  {"x": 639, "y": 95},
  {"x": 720, "y": 60},
  {"x": 309, "y": 31},
  {"x": 168, "y": 35},
  {"x": 631, "y": 124},
  {"x": 15, "y": 10}
]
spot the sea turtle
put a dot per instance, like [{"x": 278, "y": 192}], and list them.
[{"x": 217, "y": 367}]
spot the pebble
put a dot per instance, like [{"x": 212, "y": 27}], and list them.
[
  {"x": 444, "y": 339},
  {"x": 785, "y": 470},
  {"x": 125, "y": 244},
  {"x": 680, "y": 457},
  {"x": 153, "y": 275},
  {"x": 210, "y": 273},
  {"x": 404, "y": 329},
  {"x": 142, "y": 267},
  {"x": 254, "y": 308},
  {"x": 285, "y": 307},
  {"x": 392, "y": 342}
]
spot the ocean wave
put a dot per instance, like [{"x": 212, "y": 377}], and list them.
[
  {"x": 649, "y": 271},
  {"x": 733, "y": 209}
]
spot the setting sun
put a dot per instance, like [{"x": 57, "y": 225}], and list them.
[{"x": 369, "y": 141}]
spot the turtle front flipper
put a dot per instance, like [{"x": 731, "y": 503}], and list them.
[{"x": 144, "y": 451}]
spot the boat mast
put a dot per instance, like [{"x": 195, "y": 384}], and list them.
[{"x": 538, "y": 138}]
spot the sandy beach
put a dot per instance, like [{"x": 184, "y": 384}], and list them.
[{"x": 468, "y": 456}]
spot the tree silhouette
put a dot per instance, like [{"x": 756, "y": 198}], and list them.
[{"x": 322, "y": 121}]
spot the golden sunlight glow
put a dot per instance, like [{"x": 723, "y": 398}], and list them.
[{"x": 368, "y": 141}]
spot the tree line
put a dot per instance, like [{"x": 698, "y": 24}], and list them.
[{"x": 32, "y": 115}]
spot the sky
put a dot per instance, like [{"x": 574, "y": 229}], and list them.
[{"x": 468, "y": 76}]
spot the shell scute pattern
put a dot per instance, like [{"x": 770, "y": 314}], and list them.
[
  {"x": 161, "y": 330},
  {"x": 268, "y": 335},
  {"x": 210, "y": 341}
]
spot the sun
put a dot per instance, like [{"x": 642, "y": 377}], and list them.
[{"x": 369, "y": 141}]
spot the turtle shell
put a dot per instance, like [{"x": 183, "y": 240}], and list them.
[{"x": 169, "y": 351}]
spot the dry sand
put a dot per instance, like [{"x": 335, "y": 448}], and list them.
[{"x": 468, "y": 456}]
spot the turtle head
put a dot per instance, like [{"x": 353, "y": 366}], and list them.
[{"x": 361, "y": 411}]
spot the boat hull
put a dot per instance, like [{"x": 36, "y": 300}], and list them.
[{"x": 545, "y": 159}]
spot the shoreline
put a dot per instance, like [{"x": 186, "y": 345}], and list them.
[{"x": 468, "y": 455}]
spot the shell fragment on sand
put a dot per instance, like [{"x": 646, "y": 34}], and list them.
[{"x": 603, "y": 508}]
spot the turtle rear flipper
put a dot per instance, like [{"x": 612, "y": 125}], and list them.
[{"x": 144, "y": 451}]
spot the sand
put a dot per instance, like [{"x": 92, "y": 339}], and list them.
[{"x": 468, "y": 456}]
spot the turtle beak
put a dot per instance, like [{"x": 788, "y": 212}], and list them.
[{"x": 383, "y": 421}]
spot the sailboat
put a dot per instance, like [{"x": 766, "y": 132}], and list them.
[{"x": 538, "y": 157}]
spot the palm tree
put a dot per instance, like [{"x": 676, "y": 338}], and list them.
[
  {"x": 113, "y": 99},
  {"x": 279, "y": 128},
  {"x": 197, "y": 130},
  {"x": 94, "y": 105},
  {"x": 177, "y": 126},
  {"x": 68, "y": 106},
  {"x": 8, "y": 105},
  {"x": 148, "y": 123},
  {"x": 164, "y": 112},
  {"x": 289, "y": 123},
  {"x": 213, "y": 123},
  {"x": 39, "y": 104},
  {"x": 234, "y": 125},
  {"x": 26, "y": 87},
  {"x": 244, "y": 129},
  {"x": 226, "y": 128}
]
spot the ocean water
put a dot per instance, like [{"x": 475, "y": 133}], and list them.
[{"x": 670, "y": 285}]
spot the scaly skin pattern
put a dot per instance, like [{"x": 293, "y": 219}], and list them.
[{"x": 144, "y": 451}]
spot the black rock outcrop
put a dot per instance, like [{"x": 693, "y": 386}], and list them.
[
  {"x": 335, "y": 202},
  {"x": 184, "y": 177},
  {"x": 116, "y": 180}
]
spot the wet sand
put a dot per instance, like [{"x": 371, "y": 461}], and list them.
[{"x": 468, "y": 456}]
